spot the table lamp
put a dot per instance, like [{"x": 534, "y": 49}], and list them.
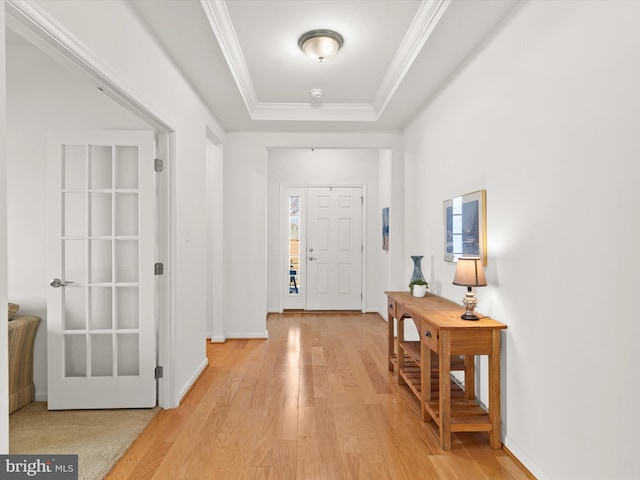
[{"x": 469, "y": 273}]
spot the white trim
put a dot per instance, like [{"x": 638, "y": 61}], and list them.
[
  {"x": 167, "y": 328},
  {"x": 243, "y": 335},
  {"x": 427, "y": 17},
  {"x": 423, "y": 25},
  {"x": 220, "y": 22},
  {"x": 194, "y": 378},
  {"x": 524, "y": 459},
  {"x": 217, "y": 339},
  {"x": 354, "y": 112},
  {"x": 363, "y": 250}
]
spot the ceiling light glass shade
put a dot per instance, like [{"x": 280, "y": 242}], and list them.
[{"x": 321, "y": 45}]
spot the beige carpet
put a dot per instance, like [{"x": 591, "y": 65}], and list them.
[{"x": 99, "y": 437}]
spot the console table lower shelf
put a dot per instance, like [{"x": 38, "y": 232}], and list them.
[
  {"x": 411, "y": 372},
  {"x": 466, "y": 414}
]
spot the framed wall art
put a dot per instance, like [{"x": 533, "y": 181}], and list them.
[
  {"x": 465, "y": 226},
  {"x": 385, "y": 228}
]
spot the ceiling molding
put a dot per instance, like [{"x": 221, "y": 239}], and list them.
[
  {"x": 429, "y": 14},
  {"x": 427, "y": 17},
  {"x": 220, "y": 22},
  {"x": 328, "y": 112}
]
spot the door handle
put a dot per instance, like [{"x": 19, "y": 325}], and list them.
[
  {"x": 312, "y": 258},
  {"x": 57, "y": 283}
]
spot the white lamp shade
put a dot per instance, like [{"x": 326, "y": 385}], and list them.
[{"x": 469, "y": 272}]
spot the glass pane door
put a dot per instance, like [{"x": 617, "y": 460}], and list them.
[{"x": 100, "y": 245}]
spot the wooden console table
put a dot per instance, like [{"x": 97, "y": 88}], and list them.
[{"x": 446, "y": 343}]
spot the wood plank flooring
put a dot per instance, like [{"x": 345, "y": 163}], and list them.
[{"x": 315, "y": 401}]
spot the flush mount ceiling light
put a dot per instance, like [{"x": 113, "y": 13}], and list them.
[{"x": 321, "y": 45}]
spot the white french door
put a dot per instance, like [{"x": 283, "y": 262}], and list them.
[
  {"x": 334, "y": 248},
  {"x": 101, "y": 335}
]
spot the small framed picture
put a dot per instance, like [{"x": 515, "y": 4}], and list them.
[{"x": 385, "y": 228}]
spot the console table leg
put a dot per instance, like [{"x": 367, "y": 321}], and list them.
[
  {"x": 425, "y": 380},
  {"x": 400, "y": 353},
  {"x": 390, "y": 340},
  {"x": 469, "y": 377},
  {"x": 494, "y": 391},
  {"x": 445, "y": 389}
]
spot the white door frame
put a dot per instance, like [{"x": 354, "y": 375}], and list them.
[
  {"x": 38, "y": 28},
  {"x": 285, "y": 190}
]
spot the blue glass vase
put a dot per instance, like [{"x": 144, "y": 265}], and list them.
[{"x": 417, "y": 268}]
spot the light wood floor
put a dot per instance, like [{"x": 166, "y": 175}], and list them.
[{"x": 315, "y": 401}]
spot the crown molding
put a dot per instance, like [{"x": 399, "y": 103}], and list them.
[
  {"x": 328, "y": 112},
  {"x": 429, "y": 14},
  {"x": 220, "y": 22},
  {"x": 425, "y": 21}
]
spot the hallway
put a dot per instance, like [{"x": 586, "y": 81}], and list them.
[{"x": 315, "y": 401}]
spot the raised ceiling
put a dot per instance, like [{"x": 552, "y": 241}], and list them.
[{"x": 242, "y": 57}]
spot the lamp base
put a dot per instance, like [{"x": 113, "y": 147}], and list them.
[{"x": 469, "y": 302}]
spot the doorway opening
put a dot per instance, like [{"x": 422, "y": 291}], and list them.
[
  {"x": 72, "y": 98},
  {"x": 323, "y": 248},
  {"x": 303, "y": 183}
]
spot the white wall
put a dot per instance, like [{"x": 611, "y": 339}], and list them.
[
  {"x": 385, "y": 188},
  {"x": 4, "y": 360},
  {"x": 143, "y": 70},
  {"x": 545, "y": 117},
  {"x": 245, "y": 168},
  {"x": 300, "y": 167},
  {"x": 215, "y": 250},
  {"x": 42, "y": 95}
]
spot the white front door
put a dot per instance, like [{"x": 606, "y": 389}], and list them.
[
  {"x": 101, "y": 335},
  {"x": 334, "y": 248}
]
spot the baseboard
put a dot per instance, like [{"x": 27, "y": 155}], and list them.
[
  {"x": 217, "y": 338},
  {"x": 248, "y": 335},
  {"x": 43, "y": 397},
  {"x": 519, "y": 456},
  {"x": 194, "y": 378}
]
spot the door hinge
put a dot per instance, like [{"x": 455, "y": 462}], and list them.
[
  {"x": 361, "y": 200},
  {"x": 158, "y": 373},
  {"x": 158, "y": 269},
  {"x": 158, "y": 165},
  {"x": 361, "y": 248}
]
